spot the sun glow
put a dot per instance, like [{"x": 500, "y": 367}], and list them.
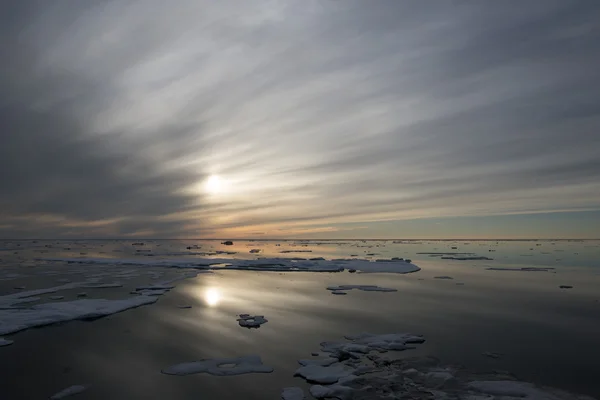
[
  {"x": 213, "y": 184},
  {"x": 212, "y": 297}
]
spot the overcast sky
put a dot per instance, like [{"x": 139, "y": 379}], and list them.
[{"x": 323, "y": 118}]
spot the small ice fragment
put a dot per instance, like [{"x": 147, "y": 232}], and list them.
[
  {"x": 565, "y": 287},
  {"x": 292, "y": 393},
  {"x": 491, "y": 354},
  {"x": 75, "y": 389},
  {"x": 81, "y": 294},
  {"x": 366, "y": 288},
  {"x": 251, "y": 321},
  {"x": 56, "y": 297},
  {"x": 241, "y": 365},
  {"x": 184, "y": 306},
  {"x": 338, "y": 292},
  {"x": 443, "y": 277},
  {"x": 20, "y": 287},
  {"x": 255, "y": 251},
  {"x": 314, "y": 354},
  {"x": 5, "y": 342}
]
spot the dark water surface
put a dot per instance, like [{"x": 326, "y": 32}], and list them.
[{"x": 546, "y": 335}]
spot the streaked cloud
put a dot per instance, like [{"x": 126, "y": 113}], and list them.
[{"x": 313, "y": 114}]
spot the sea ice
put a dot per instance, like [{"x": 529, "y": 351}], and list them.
[
  {"x": 241, "y": 365},
  {"x": 292, "y": 393},
  {"x": 75, "y": 389},
  {"x": 5, "y": 342},
  {"x": 366, "y": 288},
  {"x": 443, "y": 277},
  {"x": 326, "y": 375},
  {"x": 529, "y": 269},
  {"x": 260, "y": 264},
  {"x": 56, "y": 297},
  {"x": 251, "y": 321},
  {"x": 18, "y": 319},
  {"x": 339, "y": 293}
]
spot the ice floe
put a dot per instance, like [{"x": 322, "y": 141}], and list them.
[
  {"x": 17, "y": 319},
  {"x": 443, "y": 277},
  {"x": 75, "y": 389},
  {"x": 220, "y": 366},
  {"x": 5, "y": 342},
  {"x": 260, "y": 264},
  {"x": 358, "y": 373},
  {"x": 251, "y": 321},
  {"x": 365, "y": 288}
]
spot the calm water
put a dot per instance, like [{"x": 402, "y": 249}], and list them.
[{"x": 546, "y": 335}]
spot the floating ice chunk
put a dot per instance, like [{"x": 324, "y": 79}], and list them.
[
  {"x": 443, "y": 277},
  {"x": 331, "y": 392},
  {"x": 75, "y": 389},
  {"x": 292, "y": 393},
  {"x": 366, "y": 288},
  {"x": 184, "y": 306},
  {"x": 366, "y": 342},
  {"x": 565, "y": 287},
  {"x": 326, "y": 375},
  {"x": 260, "y": 264},
  {"x": 251, "y": 321},
  {"x": 339, "y": 293},
  {"x": 56, "y": 297},
  {"x": 491, "y": 354},
  {"x": 20, "y": 288},
  {"x": 325, "y": 362},
  {"x": 14, "y": 320},
  {"x": 5, "y": 342},
  {"x": 254, "y": 251},
  {"x": 81, "y": 294},
  {"x": 241, "y": 365},
  {"x": 466, "y": 258}
]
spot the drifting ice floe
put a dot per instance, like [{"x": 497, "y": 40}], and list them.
[
  {"x": 366, "y": 288},
  {"x": 5, "y": 342},
  {"x": 241, "y": 365},
  {"x": 260, "y": 264},
  {"x": 18, "y": 319},
  {"x": 356, "y": 374},
  {"x": 251, "y": 321},
  {"x": 75, "y": 389}
]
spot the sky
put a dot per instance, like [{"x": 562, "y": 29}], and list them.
[{"x": 297, "y": 119}]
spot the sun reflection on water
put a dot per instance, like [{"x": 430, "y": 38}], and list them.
[{"x": 212, "y": 297}]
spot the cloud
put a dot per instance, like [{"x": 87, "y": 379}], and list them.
[{"x": 330, "y": 112}]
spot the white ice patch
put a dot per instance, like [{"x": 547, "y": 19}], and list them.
[
  {"x": 292, "y": 393},
  {"x": 251, "y": 321},
  {"x": 18, "y": 319},
  {"x": 220, "y": 366},
  {"x": 260, "y": 264},
  {"x": 5, "y": 342},
  {"x": 75, "y": 389},
  {"x": 366, "y": 288}
]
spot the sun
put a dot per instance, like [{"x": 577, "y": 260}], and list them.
[{"x": 213, "y": 184}]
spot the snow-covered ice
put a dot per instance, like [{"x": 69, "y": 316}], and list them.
[
  {"x": 18, "y": 319},
  {"x": 251, "y": 321},
  {"x": 75, "y": 389},
  {"x": 292, "y": 393},
  {"x": 366, "y": 288},
  {"x": 219, "y": 366},
  {"x": 260, "y": 264}
]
